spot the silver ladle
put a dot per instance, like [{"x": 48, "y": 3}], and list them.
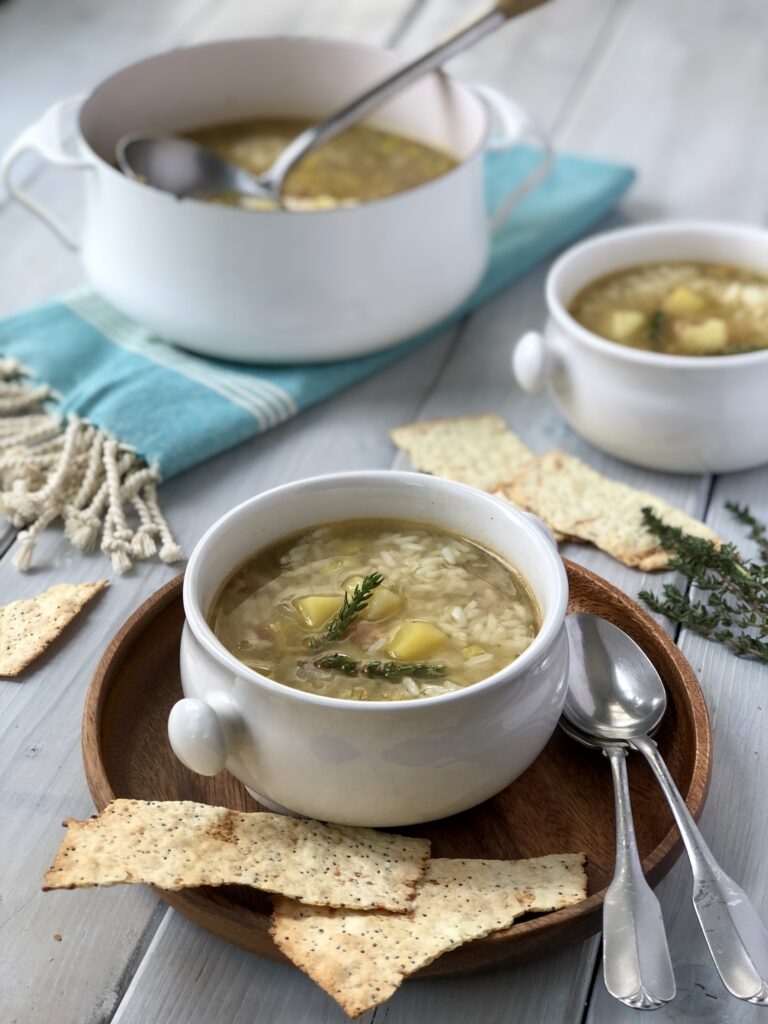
[
  {"x": 615, "y": 694},
  {"x": 185, "y": 168}
]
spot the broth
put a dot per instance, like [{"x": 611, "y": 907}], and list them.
[
  {"x": 360, "y": 164},
  {"x": 691, "y": 309},
  {"x": 446, "y": 614}
]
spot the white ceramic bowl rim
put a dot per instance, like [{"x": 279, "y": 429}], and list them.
[
  {"x": 323, "y": 43},
  {"x": 635, "y": 355},
  {"x": 550, "y": 627}
]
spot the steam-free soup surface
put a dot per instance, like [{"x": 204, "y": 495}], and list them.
[
  {"x": 361, "y": 164},
  {"x": 688, "y": 309},
  {"x": 445, "y": 613}
]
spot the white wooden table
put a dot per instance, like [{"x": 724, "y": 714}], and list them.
[{"x": 676, "y": 89}]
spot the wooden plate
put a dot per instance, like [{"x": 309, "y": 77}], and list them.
[{"x": 563, "y": 802}]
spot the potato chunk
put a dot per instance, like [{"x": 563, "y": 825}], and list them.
[
  {"x": 416, "y": 640},
  {"x": 317, "y": 609},
  {"x": 704, "y": 337},
  {"x": 624, "y": 322},
  {"x": 681, "y": 301},
  {"x": 382, "y": 603}
]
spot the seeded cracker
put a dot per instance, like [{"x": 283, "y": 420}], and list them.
[
  {"x": 476, "y": 450},
  {"x": 360, "y": 959},
  {"x": 175, "y": 844},
  {"x": 575, "y": 500},
  {"x": 29, "y": 627}
]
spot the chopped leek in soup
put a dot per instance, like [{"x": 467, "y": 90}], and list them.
[
  {"x": 685, "y": 309},
  {"x": 375, "y": 610},
  {"x": 360, "y": 164}
]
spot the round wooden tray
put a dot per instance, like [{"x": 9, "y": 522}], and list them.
[{"x": 563, "y": 803}]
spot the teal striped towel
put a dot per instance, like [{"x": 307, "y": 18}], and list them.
[{"x": 106, "y": 410}]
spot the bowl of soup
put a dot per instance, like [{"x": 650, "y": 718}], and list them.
[
  {"x": 376, "y": 648},
  {"x": 385, "y": 230},
  {"x": 656, "y": 346}
]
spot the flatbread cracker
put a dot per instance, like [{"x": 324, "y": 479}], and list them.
[
  {"x": 476, "y": 450},
  {"x": 29, "y": 627},
  {"x": 177, "y": 843},
  {"x": 575, "y": 500},
  {"x": 360, "y": 959}
]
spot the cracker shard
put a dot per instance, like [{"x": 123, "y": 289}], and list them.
[
  {"x": 577, "y": 501},
  {"x": 28, "y": 627},
  {"x": 176, "y": 844},
  {"x": 476, "y": 450},
  {"x": 360, "y": 958}
]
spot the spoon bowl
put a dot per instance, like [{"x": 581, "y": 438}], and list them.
[
  {"x": 183, "y": 167},
  {"x": 614, "y": 691}
]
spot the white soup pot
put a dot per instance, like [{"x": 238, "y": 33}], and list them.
[
  {"x": 373, "y": 763},
  {"x": 275, "y": 287},
  {"x": 686, "y": 414}
]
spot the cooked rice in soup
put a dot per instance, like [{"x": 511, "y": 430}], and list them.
[
  {"x": 684, "y": 309},
  {"x": 375, "y": 610}
]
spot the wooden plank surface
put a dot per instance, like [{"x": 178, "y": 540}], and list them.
[{"x": 677, "y": 91}]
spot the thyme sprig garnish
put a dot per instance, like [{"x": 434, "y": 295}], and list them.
[
  {"x": 351, "y": 607},
  {"x": 380, "y": 669},
  {"x": 733, "y": 609},
  {"x": 656, "y": 327}
]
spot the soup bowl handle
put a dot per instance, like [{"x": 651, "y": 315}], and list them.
[
  {"x": 516, "y": 124},
  {"x": 46, "y": 138},
  {"x": 204, "y": 733},
  {"x": 530, "y": 362}
]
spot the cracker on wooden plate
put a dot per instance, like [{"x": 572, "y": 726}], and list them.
[
  {"x": 361, "y": 958},
  {"x": 476, "y": 450},
  {"x": 577, "y": 501},
  {"x": 177, "y": 843},
  {"x": 28, "y": 627}
]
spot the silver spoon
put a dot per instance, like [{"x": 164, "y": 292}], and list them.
[
  {"x": 636, "y": 963},
  {"x": 185, "y": 168},
  {"x": 615, "y": 693}
]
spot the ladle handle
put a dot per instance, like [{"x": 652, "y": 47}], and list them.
[
  {"x": 636, "y": 962},
  {"x": 737, "y": 938},
  {"x": 357, "y": 109}
]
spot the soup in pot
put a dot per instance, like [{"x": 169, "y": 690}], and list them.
[
  {"x": 375, "y": 610},
  {"x": 686, "y": 309},
  {"x": 360, "y": 164}
]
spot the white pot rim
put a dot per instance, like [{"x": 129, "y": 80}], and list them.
[
  {"x": 320, "y": 42},
  {"x": 547, "y": 635},
  {"x": 623, "y": 353}
]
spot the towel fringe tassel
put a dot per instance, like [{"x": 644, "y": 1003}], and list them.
[{"x": 51, "y": 468}]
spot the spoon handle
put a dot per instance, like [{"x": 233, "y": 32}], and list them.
[
  {"x": 737, "y": 938},
  {"x": 636, "y": 961},
  {"x": 354, "y": 111}
]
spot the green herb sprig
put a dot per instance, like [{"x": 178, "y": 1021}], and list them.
[
  {"x": 733, "y": 609},
  {"x": 351, "y": 607},
  {"x": 380, "y": 669},
  {"x": 656, "y": 327}
]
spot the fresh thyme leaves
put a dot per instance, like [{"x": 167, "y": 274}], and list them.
[
  {"x": 396, "y": 669},
  {"x": 734, "y": 605},
  {"x": 380, "y": 669},
  {"x": 340, "y": 663},
  {"x": 352, "y": 606},
  {"x": 656, "y": 327}
]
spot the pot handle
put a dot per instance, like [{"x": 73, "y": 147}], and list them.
[
  {"x": 46, "y": 138},
  {"x": 203, "y": 733},
  {"x": 515, "y": 124}
]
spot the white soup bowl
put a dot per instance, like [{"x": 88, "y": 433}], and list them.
[
  {"x": 373, "y": 763},
  {"x": 685, "y": 414}
]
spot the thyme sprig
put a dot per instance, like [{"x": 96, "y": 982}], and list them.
[
  {"x": 351, "y": 607},
  {"x": 380, "y": 669},
  {"x": 656, "y": 327},
  {"x": 733, "y": 609}
]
